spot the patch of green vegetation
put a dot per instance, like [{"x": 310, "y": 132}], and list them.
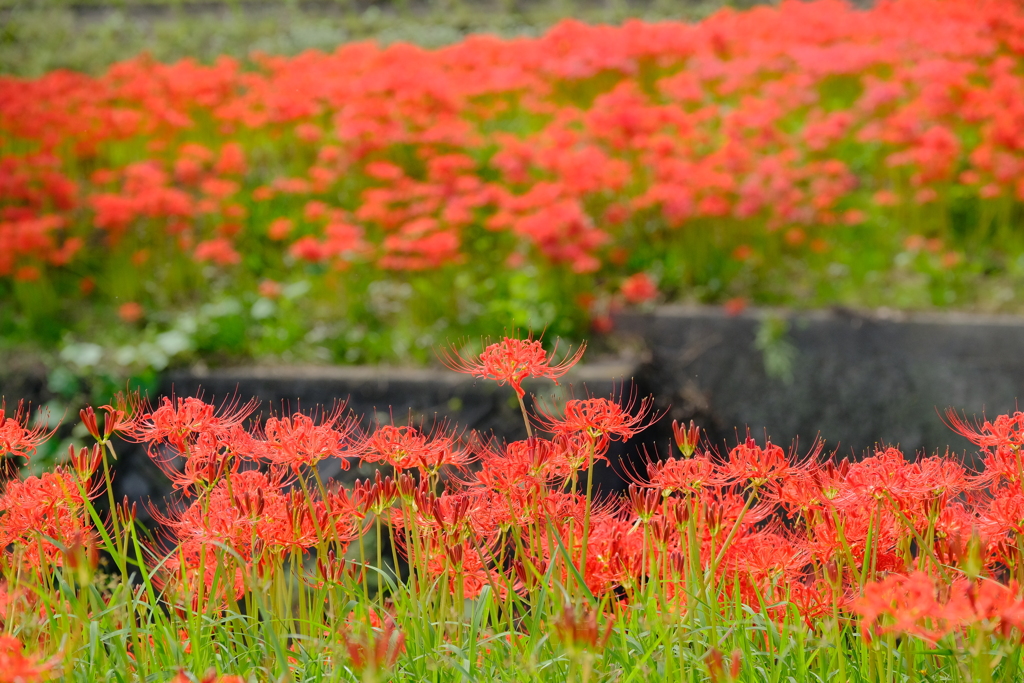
[{"x": 40, "y": 36}]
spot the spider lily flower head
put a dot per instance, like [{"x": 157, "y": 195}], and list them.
[
  {"x": 757, "y": 465},
  {"x": 85, "y": 460},
  {"x": 717, "y": 670},
  {"x": 377, "y": 496},
  {"x": 578, "y": 448},
  {"x": 44, "y": 515},
  {"x": 398, "y": 446},
  {"x": 16, "y": 438},
  {"x": 180, "y": 421},
  {"x": 579, "y": 632},
  {"x": 376, "y": 652},
  {"x": 687, "y": 437},
  {"x": 210, "y": 458},
  {"x": 406, "y": 447},
  {"x": 331, "y": 569},
  {"x": 644, "y": 503},
  {"x": 681, "y": 475},
  {"x": 115, "y": 420},
  {"x": 1004, "y": 431},
  {"x": 528, "y": 464},
  {"x": 917, "y": 604},
  {"x": 301, "y": 440},
  {"x": 602, "y": 418},
  {"x": 512, "y": 361},
  {"x": 442, "y": 448}
]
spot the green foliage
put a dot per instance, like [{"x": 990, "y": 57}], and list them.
[
  {"x": 779, "y": 354},
  {"x": 37, "y": 36}
]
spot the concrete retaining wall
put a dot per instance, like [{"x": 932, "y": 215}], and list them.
[{"x": 857, "y": 379}]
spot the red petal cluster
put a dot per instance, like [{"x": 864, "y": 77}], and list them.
[
  {"x": 920, "y": 546},
  {"x": 513, "y": 360}
]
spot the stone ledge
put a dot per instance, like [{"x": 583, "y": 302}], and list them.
[{"x": 859, "y": 379}]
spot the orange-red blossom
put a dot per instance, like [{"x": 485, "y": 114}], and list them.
[{"x": 514, "y": 360}]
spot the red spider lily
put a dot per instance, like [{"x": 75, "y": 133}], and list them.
[
  {"x": 400, "y": 447},
  {"x": 497, "y": 511},
  {"x": 918, "y": 605},
  {"x": 179, "y": 422},
  {"x": 449, "y": 511},
  {"x": 531, "y": 463},
  {"x": 688, "y": 475},
  {"x": 40, "y": 511},
  {"x": 644, "y": 502},
  {"x": 806, "y": 491},
  {"x": 298, "y": 441},
  {"x": 514, "y": 360},
  {"x": 332, "y": 570},
  {"x": 812, "y": 601},
  {"x": 210, "y": 457},
  {"x": 578, "y": 630},
  {"x": 254, "y": 515},
  {"x": 342, "y": 518},
  {"x": 619, "y": 555},
  {"x": 115, "y": 420},
  {"x": 405, "y": 447},
  {"x": 16, "y": 667},
  {"x": 85, "y": 461},
  {"x": 465, "y": 564},
  {"x": 442, "y": 448},
  {"x": 768, "y": 557},
  {"x": 1006, "y": 430},
  {"x": 378, "y": 496},
  {"x": 716, "y": 666},
  {"x": 577, "y": 449},
  {"x": 919, "y": 488},
  {"x": 687, "y": 438},
  {"x": 88, "y": 416},
  {"x": 603, "y": 418},
  {"x": 376, "y": 652},
  {"x": 16, "y": 439},
  {"x": 756, "y": 465},
  {"x": 720, "y": 509},
  {"x": 780, "y": 532}
]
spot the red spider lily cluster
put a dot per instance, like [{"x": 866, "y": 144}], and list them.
[
  {"x": 796, "y": 120},
  {"x": 923, "y": 546}
]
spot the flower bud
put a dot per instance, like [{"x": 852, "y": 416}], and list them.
[
  {"x": 687, "y": 438},
  {"x": 88, "y": 416}
]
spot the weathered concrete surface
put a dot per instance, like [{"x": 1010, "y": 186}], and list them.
[{"x": 858, "y": 379}]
